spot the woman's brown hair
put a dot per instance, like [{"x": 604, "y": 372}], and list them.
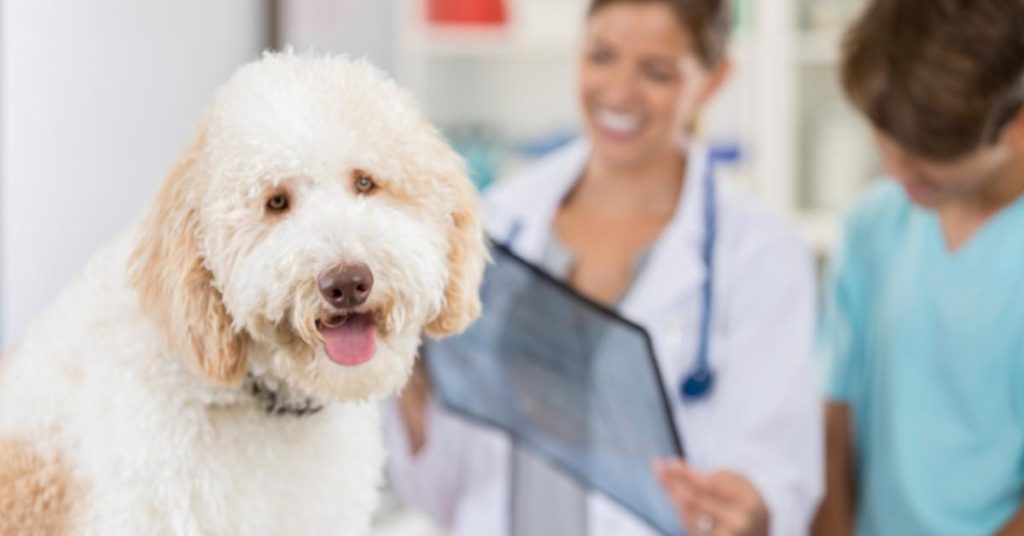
[
  {"x": 941, "y": 77},
  {"x": 707, "y": 22}
]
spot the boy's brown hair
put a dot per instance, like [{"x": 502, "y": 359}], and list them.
[
  {"x": 941, "y": 77},
  {"x": 707, "y": 22}
]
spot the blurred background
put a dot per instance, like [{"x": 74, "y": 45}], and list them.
[{"x": 98, "y": 97}]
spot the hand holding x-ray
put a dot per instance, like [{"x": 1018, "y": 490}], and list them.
[{"x": 569, "y": 379}]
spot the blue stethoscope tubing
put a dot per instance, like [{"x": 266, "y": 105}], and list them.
[{"x": 699, "y": 381}]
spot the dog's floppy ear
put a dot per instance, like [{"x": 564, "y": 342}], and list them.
[
  {"x": 173, "y": 285},
  {"x": 467, "y": 254}
]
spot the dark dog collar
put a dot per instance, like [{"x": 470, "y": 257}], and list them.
[{"x": 275, "y": 402}]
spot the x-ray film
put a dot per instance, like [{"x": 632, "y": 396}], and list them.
[{"x": 568, "y": 378}]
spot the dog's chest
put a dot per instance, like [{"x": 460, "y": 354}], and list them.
[{"x": 245, "y": 472}]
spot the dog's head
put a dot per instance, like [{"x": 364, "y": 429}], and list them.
[{"x": 316, "y": 225}]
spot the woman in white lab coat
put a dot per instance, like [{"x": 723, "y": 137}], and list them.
[{"x": 622, "y": 216}]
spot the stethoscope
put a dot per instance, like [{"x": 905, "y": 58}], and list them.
[{"x": 699, "y": 381}]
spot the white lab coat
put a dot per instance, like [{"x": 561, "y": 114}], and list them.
[{"x": 763, "y": 418}]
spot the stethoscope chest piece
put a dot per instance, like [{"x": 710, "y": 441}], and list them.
[{"x": 698, "y": 384}]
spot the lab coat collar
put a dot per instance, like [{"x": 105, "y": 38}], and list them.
[
  {"x": 536, "y": 218},
  {"x": 674, "y": 266}
]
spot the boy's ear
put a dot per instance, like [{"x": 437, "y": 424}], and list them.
[{"x": 1013, "y": 132}]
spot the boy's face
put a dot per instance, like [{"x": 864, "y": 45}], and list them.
[{"x": 931, "y": 184}]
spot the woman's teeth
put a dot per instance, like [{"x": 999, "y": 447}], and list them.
[{"x": 617, "y": 122}]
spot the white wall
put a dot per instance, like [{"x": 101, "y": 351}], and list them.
[
  {"x": 96, "y": 100},
  {"x": 360, "y": 28}
]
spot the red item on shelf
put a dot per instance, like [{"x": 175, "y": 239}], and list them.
[{"x": 470, "y": 12}]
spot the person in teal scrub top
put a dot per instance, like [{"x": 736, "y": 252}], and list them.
[{"x": 924, "y": 320}]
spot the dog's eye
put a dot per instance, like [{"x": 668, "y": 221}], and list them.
[
  {"x": 365, "y": 185},
  {"x": 278, "y": 203}
]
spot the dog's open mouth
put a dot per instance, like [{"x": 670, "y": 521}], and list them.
[{"x": 349, "y": 338}]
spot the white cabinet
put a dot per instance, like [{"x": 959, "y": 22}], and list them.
[{"x": 832, "y": 145}]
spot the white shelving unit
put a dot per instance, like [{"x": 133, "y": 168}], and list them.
[
  {"x": 506, "y": 84},
  {"x": 804, "y": 151},
  {"x": 834, "y": 152},
  {"x": 819, "y": 47}
]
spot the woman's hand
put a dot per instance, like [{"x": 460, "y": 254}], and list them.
[
  {"x": 722, "y": 503},
  {"x": 412, "y": 403}
]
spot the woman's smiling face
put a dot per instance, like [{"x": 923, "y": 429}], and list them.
[{"x": 640, "y": 82}]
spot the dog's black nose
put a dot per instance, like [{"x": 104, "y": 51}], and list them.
[{"x": 346, "y": 285}]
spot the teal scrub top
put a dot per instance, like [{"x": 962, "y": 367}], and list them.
[{"x": 926, "y": 347}]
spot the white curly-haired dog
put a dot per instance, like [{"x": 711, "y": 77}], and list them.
[{"x": 214, "y": 370}]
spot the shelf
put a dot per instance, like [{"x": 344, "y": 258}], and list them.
[
  {"x": 482, "y": 44},
  {"x": 819, "y": 47}
]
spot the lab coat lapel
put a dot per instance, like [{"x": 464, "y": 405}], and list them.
[
  {"x": 674, "y": 268},
  {"x": 537, "y": 215}
]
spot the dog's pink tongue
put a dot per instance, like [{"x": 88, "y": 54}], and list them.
[{"x": 353, "y": 342}]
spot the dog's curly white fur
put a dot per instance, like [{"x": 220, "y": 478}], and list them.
[{"x": 134, "y": 393}]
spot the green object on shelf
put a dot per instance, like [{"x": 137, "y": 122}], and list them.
[{"x": 742, "y": 16}]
